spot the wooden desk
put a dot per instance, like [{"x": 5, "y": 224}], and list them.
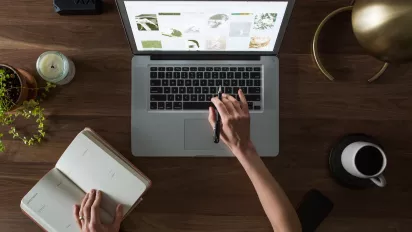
[{"x": 214, "y": 194}]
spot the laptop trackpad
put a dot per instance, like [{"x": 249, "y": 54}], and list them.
[{"x": 199, "y": 135}]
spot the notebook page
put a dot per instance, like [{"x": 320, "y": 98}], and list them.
[
  {"x": 89, "y": 166},
  {"x": 50, "y": 203},
  {"x": 115, "y": 155}
]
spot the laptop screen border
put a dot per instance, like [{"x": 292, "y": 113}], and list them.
[{"x": 130, "y": 38}]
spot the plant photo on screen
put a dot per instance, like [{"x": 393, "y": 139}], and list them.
[
  {"x": 264, "y": 21},
  {"x": 171, "y": 32},
  {"x": 216, "y": 43},
  {"x": 217, "y": 20},
  {"x": 151, "y": 44},
  {"x": 193, "y": 44},
  {"x": 147, "y": 22},
  {"x": 192, "y": 29},
  {"x": 259, "y": 42},
  {"x": 240, "y": 29}
]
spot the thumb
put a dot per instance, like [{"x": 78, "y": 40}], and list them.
[
  {"x": 212, "y": 117},
  {"x": 119, "y": 216},
  {"x": 212, "y": 121}
]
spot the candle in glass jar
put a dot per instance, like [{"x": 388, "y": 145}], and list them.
[{"x": 55, "y": 67}]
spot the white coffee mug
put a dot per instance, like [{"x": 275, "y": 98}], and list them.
[{"x": 365, "y": 160}]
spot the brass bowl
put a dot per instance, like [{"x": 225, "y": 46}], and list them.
[
  {"x": 315, "y": 51},
  {"x": 384, "y": 28}
]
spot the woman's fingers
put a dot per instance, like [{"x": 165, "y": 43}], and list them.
[
  {"x": 95, "y": 209},
  {"x": 76, "y": 210},
  {"x": 243, "y": 102},
  {"x": 212, "y": 117},
  {"x": 119, "y": 216},
  {"x": 212, "y": 121},
  {"x": 229, "y": 106},
  {"x": 83, "y": 204},
  {"x": 235, "y": 103},
  {"x": 220, "y": 107},
  {"x": 87, "y": 207}
]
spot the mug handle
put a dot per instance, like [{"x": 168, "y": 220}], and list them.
[{"x": 379, "y": 181}]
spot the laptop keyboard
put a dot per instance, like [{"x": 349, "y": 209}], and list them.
[{"x": 192, "y": 88}]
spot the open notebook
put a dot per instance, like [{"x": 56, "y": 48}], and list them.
[{"x": 88, "y": 163}]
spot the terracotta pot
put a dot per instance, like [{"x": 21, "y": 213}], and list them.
[
  {"x": 31, "y": 83},
  {"x": 27, "y": 82}
]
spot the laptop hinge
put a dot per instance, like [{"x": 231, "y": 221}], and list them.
[{"x": 203, "y": 57}]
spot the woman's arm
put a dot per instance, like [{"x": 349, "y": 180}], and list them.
[
  {"x": 236, "y": 134},
  {"x": 276, "y": 204}
]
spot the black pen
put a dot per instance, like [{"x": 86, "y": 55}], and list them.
[{"x": 216, "y": 130}]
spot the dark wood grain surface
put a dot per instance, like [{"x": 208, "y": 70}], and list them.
[{"x": 214, "y": 194}]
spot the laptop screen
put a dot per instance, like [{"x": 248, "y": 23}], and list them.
[{"x": 205, "y": 25}]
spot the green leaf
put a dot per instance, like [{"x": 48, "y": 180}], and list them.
[{"x": 2, "y": 148}]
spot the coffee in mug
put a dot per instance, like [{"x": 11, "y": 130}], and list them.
[{"x": 365, "y": 160}]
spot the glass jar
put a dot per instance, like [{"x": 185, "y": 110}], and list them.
[{"x": 55, "y": 67}]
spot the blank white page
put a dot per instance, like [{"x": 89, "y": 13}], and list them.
[{"x": 91, "y": 165}]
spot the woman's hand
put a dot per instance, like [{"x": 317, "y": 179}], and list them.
[
  {"x": 88, "y": 214},
  {"x": 235, "y": 131}
]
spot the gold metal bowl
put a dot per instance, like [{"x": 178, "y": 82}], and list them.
[{"x": 315, "y": 51}]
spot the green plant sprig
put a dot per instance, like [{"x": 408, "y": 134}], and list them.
[{"x": 29, "y": 109}]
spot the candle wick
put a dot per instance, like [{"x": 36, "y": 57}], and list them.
[{"x": 52, "y": 66}]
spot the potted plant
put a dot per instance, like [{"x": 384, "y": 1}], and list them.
[{"x": 18, "y": 92}]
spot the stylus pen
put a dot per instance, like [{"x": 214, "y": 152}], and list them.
[{"x": 216, "y": 130}]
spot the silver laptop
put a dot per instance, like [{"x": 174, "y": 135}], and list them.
[{"x": 183, "y": 51}]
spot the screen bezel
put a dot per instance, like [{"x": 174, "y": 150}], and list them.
[{"x": 129, "y": 34}]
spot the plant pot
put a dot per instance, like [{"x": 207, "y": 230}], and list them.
[
  {"x": 26, "y": 85},
  {"x": 31, "y": 83}
]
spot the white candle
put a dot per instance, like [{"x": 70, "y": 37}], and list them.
[{"x": 55, "y": 67}]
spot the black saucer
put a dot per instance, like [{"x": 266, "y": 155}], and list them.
[{"x": 335, "y": 163}]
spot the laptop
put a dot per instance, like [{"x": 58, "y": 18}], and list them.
[{"x": 183, "y": 51}]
